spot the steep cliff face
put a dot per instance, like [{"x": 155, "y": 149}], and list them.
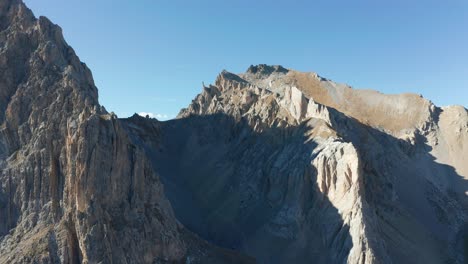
[
  {"x": 289, "y": 167},
  {"x": 74, "y": 187}
]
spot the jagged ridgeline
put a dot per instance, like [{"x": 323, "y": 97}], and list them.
[{"x": 268, "y": 166}]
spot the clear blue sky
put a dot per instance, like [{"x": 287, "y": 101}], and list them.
[{"x": 152, "y": 55}]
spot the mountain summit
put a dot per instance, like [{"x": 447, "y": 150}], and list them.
[
  {"x": 267, "y": 166},
  {"x": 315, "y": 169}
]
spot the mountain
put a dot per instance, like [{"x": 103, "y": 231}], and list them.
[
  {"x": 290, "y": 167},
  {"x": 268, "y": 166},
  {"x": 74, "y": 187}
]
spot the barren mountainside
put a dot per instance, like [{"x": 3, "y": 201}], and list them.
[{"x": 267, "y": 166}]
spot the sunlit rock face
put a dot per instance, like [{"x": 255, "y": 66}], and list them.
[{"x": 268, "y": 166}]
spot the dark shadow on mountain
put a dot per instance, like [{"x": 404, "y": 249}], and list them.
[
  {"x": 231, "y": 186},
  {"x": 9, "y": 211},
  {"x": 3, "y": 214},
  {"x": 404, "y": 179},
  {"x": 240, "y": 189}
]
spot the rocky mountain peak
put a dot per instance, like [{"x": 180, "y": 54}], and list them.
[
  {"x": 14, "y": 13},
  {"x": 226, "y": 80},
  {"x": 365, "y": 149},
  {"x": 228, "y": 76},
  {"x": 7, "y": 6},
  {"x": 263, "y": 69}
]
